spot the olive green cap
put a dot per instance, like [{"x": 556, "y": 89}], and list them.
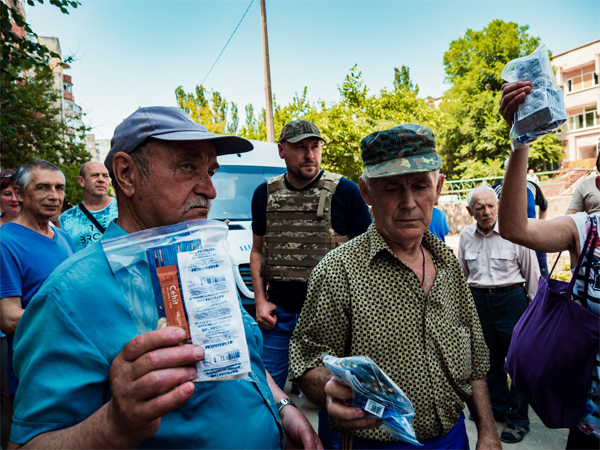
[{"x": 296, "y": 130}]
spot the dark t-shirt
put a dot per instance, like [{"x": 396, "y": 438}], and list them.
[
  {"x": 535, "y": 197},
  {"x": 349, "y": 217}
]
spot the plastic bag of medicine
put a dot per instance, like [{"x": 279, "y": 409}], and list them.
[
  {"x": 543, "y": 110},
  {"x": 183, "y": 273},
  {"x": 375, "y": 393}
]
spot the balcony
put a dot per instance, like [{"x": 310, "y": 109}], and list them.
[
  {"x": 67, "y": 79},
  {"x": 68, "y": 96}
]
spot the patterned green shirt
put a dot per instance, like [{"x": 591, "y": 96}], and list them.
[{"x": 362, "y": 300}]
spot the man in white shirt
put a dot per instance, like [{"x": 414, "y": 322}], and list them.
[{"x": 497, "y": 272}]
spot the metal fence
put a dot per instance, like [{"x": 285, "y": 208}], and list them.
[{"x": 552, "y": 182}]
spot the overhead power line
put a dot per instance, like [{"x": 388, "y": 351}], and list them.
[{"x": 228, "y": 40}]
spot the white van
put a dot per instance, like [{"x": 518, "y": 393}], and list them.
[{"x": 235, "y": 182}]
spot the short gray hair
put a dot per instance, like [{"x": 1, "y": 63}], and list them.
[
  {"x": 23, "y": 176},
  {"x": 479, "y": 189}
]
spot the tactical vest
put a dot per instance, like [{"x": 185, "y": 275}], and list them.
[{"x": 299, "y": 231}]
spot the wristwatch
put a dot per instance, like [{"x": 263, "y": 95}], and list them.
[{"x": 284, "y": 402}]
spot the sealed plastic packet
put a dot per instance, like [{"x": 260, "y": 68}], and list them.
[
  {"x": 182, "y": 275},
  {"x": 543, "y": 110},
  {"x": 375, "y": 393}
]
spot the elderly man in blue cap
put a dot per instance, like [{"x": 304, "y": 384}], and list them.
[
  {"x": 397, "y": 294},
  {"x": 87, "y": 379}
]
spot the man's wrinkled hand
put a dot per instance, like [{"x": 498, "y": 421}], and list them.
[
  {"x": 339, "y": 398},
  {"x": 299, "y": 433},
  {"x": 489, "y": 442},
  {"x": 149, "y": 378},
  {"x": 513, "y": 94}
]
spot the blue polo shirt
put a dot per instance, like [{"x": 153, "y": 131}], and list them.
[{"x": 78, "y": 323}]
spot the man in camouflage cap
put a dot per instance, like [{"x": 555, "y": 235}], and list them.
[
  {"x": 297, "y": 218},
  {"x": 397, "y": 294}
]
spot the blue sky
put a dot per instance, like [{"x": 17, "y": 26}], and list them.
[{"x": 132, "y": 53}]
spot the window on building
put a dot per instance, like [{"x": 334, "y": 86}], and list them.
[
  {"x": 586, "y": 119},
  {"x": 582, "y": 78}
]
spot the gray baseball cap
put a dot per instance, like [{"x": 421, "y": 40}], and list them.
[
  {"x": 296, "y": 130},
  {"x": 406, "y": 148},
  {"x": 167, "y": 123}
]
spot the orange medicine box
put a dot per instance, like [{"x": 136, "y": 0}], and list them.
[{"x": 171, "y": 295}]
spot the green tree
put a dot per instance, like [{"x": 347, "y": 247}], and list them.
[
  {"x": 473, "y": 138},
  {"x": 18, "y": 54},
  {"x": 343, "y": 124},
  {"x": 358, "y": 114},
  {"x": 37, "y": 130},
  {"x": 30, "y": 123},
  {"x": 213, "y": 113},
  {"x": 546, "y": 149}
]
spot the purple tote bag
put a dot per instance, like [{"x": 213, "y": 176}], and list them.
[{"x": 553, "y": 350}]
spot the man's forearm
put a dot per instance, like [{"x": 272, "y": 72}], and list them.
[
  {"x": 10, "y": 314},
  {"x": 258, "y": 282},
  {"x": 480, "y": 401},
  {"x": 96, "y": 432},
  {"x": 313, "y": 382}
]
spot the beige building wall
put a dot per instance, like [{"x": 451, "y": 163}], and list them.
[
  {"x": 577, "y": 72},
  {"x": 98, "y": 148},
  {"x": 70, "y": 112}
]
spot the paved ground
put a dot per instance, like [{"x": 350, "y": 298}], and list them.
[{"x": 538, "y": 438}]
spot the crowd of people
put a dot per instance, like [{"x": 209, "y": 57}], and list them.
[{"x": 337, "y": 267}]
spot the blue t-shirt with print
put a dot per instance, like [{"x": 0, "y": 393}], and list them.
[{"x": 82, "y": 231}]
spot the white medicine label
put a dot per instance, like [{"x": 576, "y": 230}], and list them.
[{"x": 214, "y": 313}]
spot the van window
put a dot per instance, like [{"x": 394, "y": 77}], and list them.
[{"x": 235, "y": 186}]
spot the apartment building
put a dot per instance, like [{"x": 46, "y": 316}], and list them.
[
  {"x": 98, "y": 148},
  {"x": 70, "y": 112},
  {"x": 577, "y": 72}
]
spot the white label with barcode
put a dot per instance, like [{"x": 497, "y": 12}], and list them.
[
  {"x": 374, "y": 408},
  {"x": 213, "y": 308}
]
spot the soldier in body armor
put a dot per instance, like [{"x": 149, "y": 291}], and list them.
[{"x": 297, "y": 218}]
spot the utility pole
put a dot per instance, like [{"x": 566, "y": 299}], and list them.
[{"x": 269, "y": 96}]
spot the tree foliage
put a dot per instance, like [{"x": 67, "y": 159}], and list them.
[
  {"x": 342, "y": 124},
  {"x": 209, "y": 108},
  {"x": 471, "y": 136},
  {"x": 38, "y": 131},
  {"x": 31, "y": 123},
  {"x": 18, "y": 54},
  {"x": 474, "y": 139}
]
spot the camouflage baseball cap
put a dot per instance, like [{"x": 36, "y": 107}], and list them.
[
  {"x": 406, "y": 148},
  {"x": 296, "y": 130}
]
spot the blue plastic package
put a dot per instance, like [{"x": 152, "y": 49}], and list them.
[
  {"x": 375, "y": 393},
  {"x": 543, "y": 110},
  {"x": 182, "y": 274}
]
